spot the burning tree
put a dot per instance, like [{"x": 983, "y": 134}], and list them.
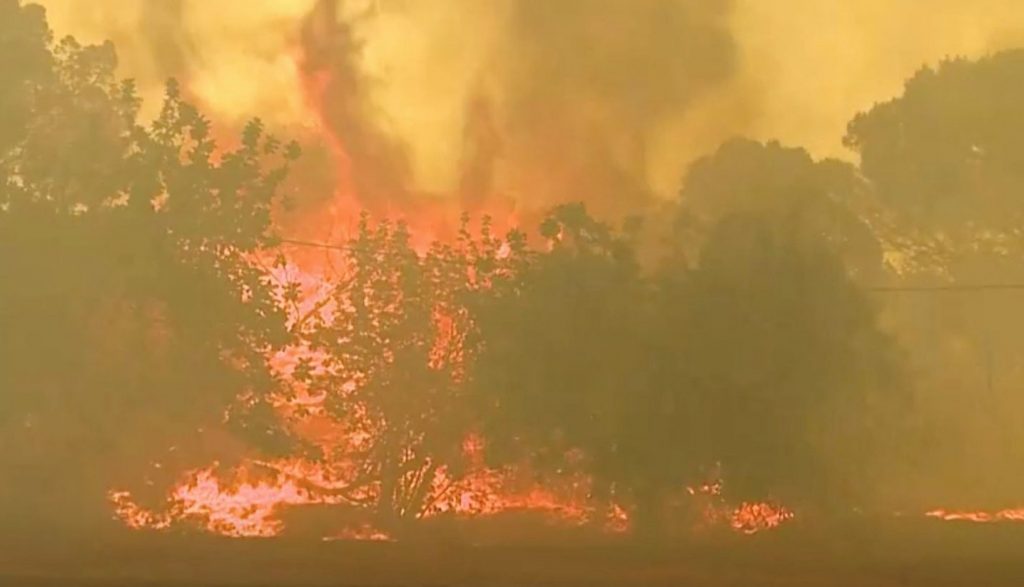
[{"x": 393, "y": 363}]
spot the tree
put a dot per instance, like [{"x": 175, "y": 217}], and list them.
[
  {"x": 395, "y": 362},
  {"x": 946, "y": 158},
  {"x": 132, "y": 308},
  {"x": 763, "y": 362},
  {"x": 568, "y": 366},
  {"x": 947, "y": 152},
  {"x": 793, "y": 377},
  {"x": 783, "y": 348},
  {"x": 822, "y": 199}
]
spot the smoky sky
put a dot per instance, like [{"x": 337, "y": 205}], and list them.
[
  {"x": 561, "y": 101},
  {"x": 664, "y": 82},
  {"x": 581, "y": 87}
]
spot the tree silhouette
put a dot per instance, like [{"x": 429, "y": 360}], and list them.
[
  {"x": 793, "y": 375},
  {"x": 763, "y": 362},
  {"x": 785, "y": 353},
  {"x": 132, "y": 307},
  {"x": 820, "y": 199},
  {"x": 946, "y": 153},
  {"x": 566, "y": 364}
]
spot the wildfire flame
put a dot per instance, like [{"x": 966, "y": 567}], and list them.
[
  {"x": 981, "y": 517},
  {"x": 751, "y": 518},
  {"x": 246, "y": 509},
  {"x": 252, "y": 508},
  {"x": 249, "y": 499}
]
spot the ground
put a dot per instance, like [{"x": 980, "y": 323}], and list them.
[{"x": 904, "y": 554}]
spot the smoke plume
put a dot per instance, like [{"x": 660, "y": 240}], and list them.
[{"x": 536, "y": 102}]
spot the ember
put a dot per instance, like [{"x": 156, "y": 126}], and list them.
[{"x": 751, "y": 518}]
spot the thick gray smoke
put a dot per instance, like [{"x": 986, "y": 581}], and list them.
[{"x": 580, "y": 89}]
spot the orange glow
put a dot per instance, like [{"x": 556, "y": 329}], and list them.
[
  {"x": 747, "y": 518},
  {"x": 252, "y": 508},
  {"x": 248, "y": 508},
  {"x": 981, "y": 517},
  {"x": 751, "y": 518},
  {"x": 135, "y": 517},
  {"x": 370, "y": 171},
  {"x": 486, "y": 493},
  {"x": 245, "y": 509},
  {"x": 362, "y": 533}
]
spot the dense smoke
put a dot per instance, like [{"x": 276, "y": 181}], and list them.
[
  {"x": 460, "y": 99},
  {"x": 685, "y": 74},
  {"x": 373, "y": 161},
  {"x": 566, "y": 100},
  {"x": 581, "y": 92}
]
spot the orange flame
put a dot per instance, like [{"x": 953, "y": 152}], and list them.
[
  {"x": 247, "y": 509},
  {"x": 751, "y": 518},
  {"x": 252, "y": 509},
  {"x": 981, "y": 517}
]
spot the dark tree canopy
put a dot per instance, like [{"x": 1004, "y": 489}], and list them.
[
  {"x": 764, "y": 361},
  {"x": 818, "y": 200},
  {"x": 947, "y": 152},
  {"x": 789, "y": 363},
  {"x": 563, "y": 349}
]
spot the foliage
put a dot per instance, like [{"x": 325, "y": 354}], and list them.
[
  {"x": 131, "y": 307},
  {"x": 760, "y": 362},
  {"x": 946, "y": 153},
  {"x": 945, "y": 159},
  {"x": 818, "y": 199},
  {"x": 791, "y": 372},
  {"x": 396, "y": 355},
  {"x": 562, "y": 347}
]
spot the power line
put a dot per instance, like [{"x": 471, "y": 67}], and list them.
[
  {"x": 949, "y": 288},
  {"x": 978, "y": 287},
  {"x": 299, "y": 243}
]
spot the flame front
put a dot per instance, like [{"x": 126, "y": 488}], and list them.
[
  {"x": 252, "y": 509},
  {"x": 981, "y": 517},
  {"x": 245, "y": 509}
]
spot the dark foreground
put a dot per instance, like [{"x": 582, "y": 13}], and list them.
[{"x": 904, "y": 554}]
